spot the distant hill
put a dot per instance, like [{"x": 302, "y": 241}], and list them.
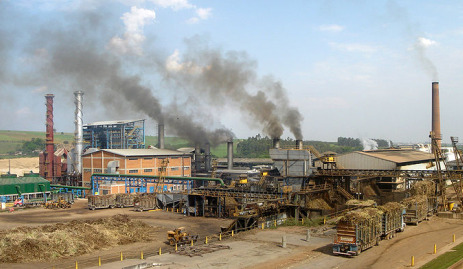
[{"x": 11, "y": 141}]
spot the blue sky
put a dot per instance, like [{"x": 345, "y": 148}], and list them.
[{"x": 351, "y": 68}]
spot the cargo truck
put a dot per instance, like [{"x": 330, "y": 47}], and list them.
[
  {"x": 147, "y": 201},
  {"x": 392, "y": 220},
  {"x": 125, "y": 199},
  {"x": 357, "y": 231},
  {"x": 416, "y": 209}
]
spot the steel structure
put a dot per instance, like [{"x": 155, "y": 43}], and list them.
[
  {"x": 78, "y": 132},
  {"x": 115, "y": 134}
]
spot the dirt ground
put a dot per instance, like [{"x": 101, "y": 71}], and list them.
[
  {"x": 259, "y": 249},
  {"x": 20, "y": 165},
  {"x": 160, "y": 221}
]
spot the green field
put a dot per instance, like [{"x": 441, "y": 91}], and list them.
[
  {"x": 447, "y": 259},
  {"x": 10, "y": 141}
]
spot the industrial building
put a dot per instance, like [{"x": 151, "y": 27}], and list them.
[
  {"x": 149, "y": 162},
  {"x": 30, "y": 186},
  {"x": 124, "y": 134},
  {"x": 385, "y": 159}
]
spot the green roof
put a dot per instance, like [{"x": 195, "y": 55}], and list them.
[{"x": 20, "y": 185}]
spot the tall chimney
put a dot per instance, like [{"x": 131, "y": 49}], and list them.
[
  {"x": 49, "y": 147},
  {"x": 276, "y": 143},
  {"x": 207, "y": 160},
  {"x": 161, "y": 135},
  {"x": 436, "y": 113},
  {"x": 299, "y": 144},
  {"x": 230, "y": 155},
  {"x": 197, "y": 157},
  {"x": 78, "y": 132}
]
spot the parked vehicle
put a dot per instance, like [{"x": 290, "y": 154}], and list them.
[
  {"x": 180, "y": 237},
  {"x": 147, "y": 201},
  {"x": 125, "y": 199},
  {"x": 101, "y": 201}
]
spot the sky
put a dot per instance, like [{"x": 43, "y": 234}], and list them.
[{"x": 315, "y": 70}]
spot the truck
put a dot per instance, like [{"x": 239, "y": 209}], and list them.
[
  {"x": 392, "y": 220},
  {"x": 147, "y": 201},
  {"x": 416, "y": 209},
  {"x": 357, "y": 231},
  {"x": 180, "y": 237},
  {"x": 125, "y": 199},
  {"x": 101, "y": 201}
]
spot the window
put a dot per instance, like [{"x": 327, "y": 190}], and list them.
[
  {"x": 186, "y": 168},
  {"x": 133, "y": 159},
  {"x": 133, "y": 171},
  {"x": 148, "y": 158},
  {"x": 174, "y": 158},
  {"x": 148, "y": 170},
  {"x": 87, "y": 170},
  {"x": 174, "y": 169},
  {"x": 97, "y": 170}
]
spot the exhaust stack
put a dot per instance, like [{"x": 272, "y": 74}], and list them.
[
  {"x": 276, "y": 143},
  {"x": 230, "y": 155},
  {"x": 299, "y": 144},
  {"x": 49, "y": 147},
  {"x": 78, "y": 132},
  {"x": 197, "y": 157},
  {"x": 161, "y": 136},
  {"x": 207, "y": 157},
  {"x": 436, "y": 113}
]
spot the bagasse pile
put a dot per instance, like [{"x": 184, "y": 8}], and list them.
[
  {"x": 318, "y": 203},
  {"x": 361, "y": 203},
  {"x": 27, "y": 244},
  {"x": 423, "y": 188}
]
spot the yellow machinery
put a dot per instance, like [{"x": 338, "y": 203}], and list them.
[
  {"x": 60, "y": 203},
  {"x": 179, "y": 237}
]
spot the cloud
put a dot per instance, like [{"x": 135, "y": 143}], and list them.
[
  {"x": 133, "y": 38},
  {"x": 425, "y": 43},
  {"x": 202, "y": 14},
  {"x": 40, "y": 89},
  {"x": 24, "y": 111},
  {"x": 353, "y": 47},
  {"x": 331, "y": 28},
  {"x": 174, "y": 4},
  {"x": 174, "y": 65}
]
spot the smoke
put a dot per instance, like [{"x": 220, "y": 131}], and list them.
[
  {"x": 369, "y": 144},
  {"x": 229, "y": 77},
  {"x": 74, "y": 56},
  {"x": 420, "y": 47},
  {"x": 420, "y": 44}
]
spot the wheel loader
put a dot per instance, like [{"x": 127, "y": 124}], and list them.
[{"x": 180, "y": 237}]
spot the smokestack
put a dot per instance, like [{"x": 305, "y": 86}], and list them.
[
  {"x": 161, "y": 136},
  {"x": 299, "y": 144},
  {"x": 78, "y": 131},
  {"x": 276, "y": 143},
  {"x": 49, "y": 148},
  {"x": 207, "y": 161},
  {"x": 436, "y": 113},
  {"x": 197, "y": 157},
  {"x": 230, "y": 155}
]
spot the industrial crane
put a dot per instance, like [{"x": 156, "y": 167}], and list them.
[{"x": 439, "y": 157}]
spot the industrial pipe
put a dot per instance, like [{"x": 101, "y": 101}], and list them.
[
  {"x": 207, "y": 157},
  {"x": 218, "y": 180},
  {"x": 197, "y": 157},
  {"x": 276, "y": 143},
  {"x": 299, "y": 144}
]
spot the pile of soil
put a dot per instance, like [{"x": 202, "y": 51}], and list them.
[{"x": 78, "y": 237}]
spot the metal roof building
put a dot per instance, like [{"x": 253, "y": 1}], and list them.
[
  {"x": 386, "y": 159},
  {"x": 30, "y": 183}
]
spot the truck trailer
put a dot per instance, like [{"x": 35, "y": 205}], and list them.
[
  {"x": 357, "y": 231},
  {"x": 416, "y": 209}
]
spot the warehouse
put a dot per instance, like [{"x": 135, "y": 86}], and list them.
[
  {"x": 135, "y": 162},
  {"x": 386, "y": 159},
  {"x": 28, "y": 187}
]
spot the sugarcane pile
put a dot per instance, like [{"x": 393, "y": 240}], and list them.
[
  {"x": 368, "y": 214},
  {"x": 361, "y": 203},
  {"x": 391, "y": 208},
  {"x": 425, "y": 187}
]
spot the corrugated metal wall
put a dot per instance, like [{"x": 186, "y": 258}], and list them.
[{"x": 356, "y": 160}]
